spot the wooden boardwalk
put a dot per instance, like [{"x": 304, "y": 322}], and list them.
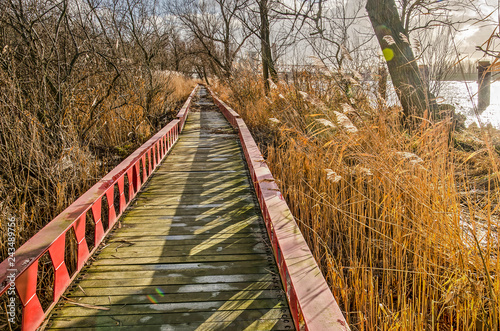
[{"x": 192, "y": 252}]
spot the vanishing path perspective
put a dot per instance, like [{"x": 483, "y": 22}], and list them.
[{"x": 191, "y": 252}]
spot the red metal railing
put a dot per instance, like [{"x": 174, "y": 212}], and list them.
[
  {"x": 311, "y": 302},
  {"x": 136, "y": 169}
]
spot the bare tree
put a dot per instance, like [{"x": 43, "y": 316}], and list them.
[
  {"x": 394, "y": 42},
  {"x": 215, "y": 26},
  {"x": 394, "y": 24},
  {"x": 267, "y": 58},
  {"x": 336, "y": 32}
]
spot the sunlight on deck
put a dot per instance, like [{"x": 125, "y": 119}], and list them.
[
  {"x": 219, "y": 237},
  {"x": 233, "y": 307},
  {"x": 267, "y": 321}
]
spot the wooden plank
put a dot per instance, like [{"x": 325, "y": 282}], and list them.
[
  {"x": 225, "y": 225},
  {"x": 125, "y": 251},
  {"x": 176, "y": 307},
  {"x": 175, "y": 279},
  {"x": 185, "y": 268},
  {"x": 79, "y": 291},
  {"x": 207, "y": 144},
  {"x": 192, "y": 270},
  {"x": 198, "y": 158},
  {"x": 201, "y": 257},
  {"x": 190, "y": 223},
  {"x": 190, "y": 220},
  {"x": 206, "y": 152},
  {"x": 182, "y": 239},
  {"x": 275, "y": 324},
  {"x": 152, "y": 229},
  {"x": 206, "y": 211},
  {"x": 161, "y": 297},
  {"x": 170, "y": 198},
  {"x": 176, "y": 320},
  {"x": 152, "y": 242},
  {"x": 201, "y": 181},
  {"x": 194, "y": 175},
  {"x": 205, "y": 166}
]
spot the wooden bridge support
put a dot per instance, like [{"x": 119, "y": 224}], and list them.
[{"x": 484, "y": 84}]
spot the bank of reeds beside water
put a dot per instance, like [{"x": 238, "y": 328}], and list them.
[{"x": 404, "y": 225}]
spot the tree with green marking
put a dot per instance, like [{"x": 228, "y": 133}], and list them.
[{"x": 393, "y": 38}]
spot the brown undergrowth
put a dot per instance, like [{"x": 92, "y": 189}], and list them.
[{"x": 404, "y": 226}]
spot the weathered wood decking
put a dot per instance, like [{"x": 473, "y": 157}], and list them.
[{"x": 192, "y": 252}]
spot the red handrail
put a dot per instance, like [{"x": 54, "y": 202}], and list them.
[
  {"x": 311, "y": 302},
  {"x": 51, "y": 238}
]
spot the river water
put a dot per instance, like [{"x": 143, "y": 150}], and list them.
[{"x": 463, "y": 95}]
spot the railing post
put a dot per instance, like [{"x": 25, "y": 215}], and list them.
[
  {"x": 149, "y": 162},
  {"x": 121, "y": 191},
  {"x": 154, "y": 156},
  {"x": 33, "y": 313},
  {"x": 130, "y": 178},
  {"x": 137, "y": 176},
  {"x": 99, "y": 228},
  {"x": 110, "y": 197},
  {"x": 144, "y": 171},
  {"x": 61, "y": 275},
  {"x": 83, "y": 248}
]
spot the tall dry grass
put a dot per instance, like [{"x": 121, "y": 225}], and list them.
[
  {"x": 404, "y": 226},
  {"x": 41, "y": 175}
]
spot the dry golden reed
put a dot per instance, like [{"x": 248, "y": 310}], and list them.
[{"x": 394, "y": 219}]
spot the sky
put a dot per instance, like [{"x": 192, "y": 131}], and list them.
[
  {"x": 467, "y": 35},
  {"x": 472, "y": 35}
]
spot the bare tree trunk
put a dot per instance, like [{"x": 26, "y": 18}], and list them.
[
  {"x": 267, "y": 58},
  {"x": 205, "y": 75},
  {"x": 393, "y": 39}
]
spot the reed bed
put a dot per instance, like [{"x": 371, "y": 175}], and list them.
[
  {"x": 403, "y": 225},
  {"x": 45, "y": 168},
  {"x": 42, "y": 175}
]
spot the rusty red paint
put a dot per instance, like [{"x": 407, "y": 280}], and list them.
[
  {"x": 52, "y": 237},
  {"x": 311, "y": 302}
]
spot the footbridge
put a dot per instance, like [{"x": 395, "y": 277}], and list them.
[{"x": 190, "y": 232}]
